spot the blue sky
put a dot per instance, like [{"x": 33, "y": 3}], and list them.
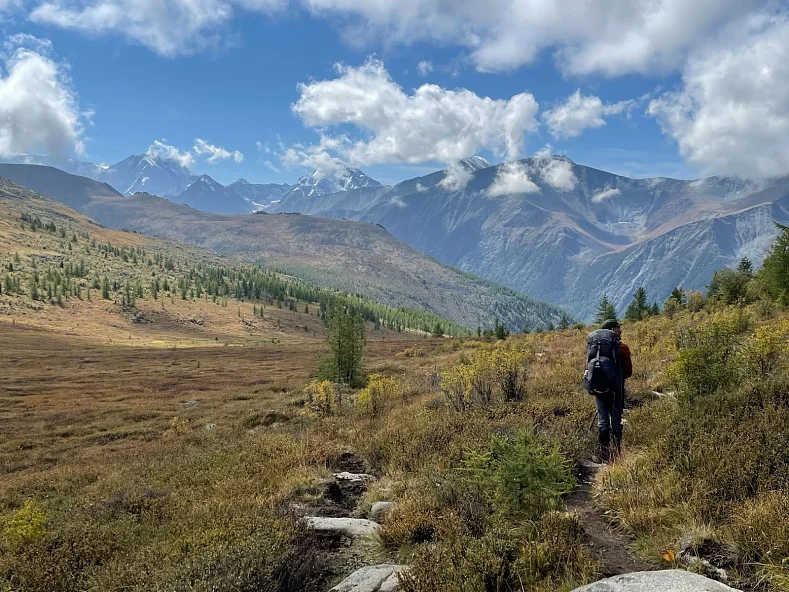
[{"x": 646, "y": 107}]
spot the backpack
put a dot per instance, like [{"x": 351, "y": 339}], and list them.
[{"x": 602, "y": 356}]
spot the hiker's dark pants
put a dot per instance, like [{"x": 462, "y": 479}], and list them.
[{"x": 609, "y": 420}]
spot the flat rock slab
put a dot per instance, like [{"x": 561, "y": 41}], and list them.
[
  {"x": 375, "y": 578},
  {"x": 673, "y": 580},
  {"x": 349, "y": 527},
  {"x": 345, "y": 476}
]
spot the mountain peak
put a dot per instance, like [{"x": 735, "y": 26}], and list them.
[
  {"x": 474, "y": 163},
  {"x": 333, "y": 180}
]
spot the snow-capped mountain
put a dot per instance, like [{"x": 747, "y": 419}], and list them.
[
  {"x": 475, "y": 163},
  {"x": 321, "y": 182},
  {"x": 150, "y": 174}
]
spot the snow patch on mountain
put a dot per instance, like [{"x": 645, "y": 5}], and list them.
[{"x": 328, "y": 181}]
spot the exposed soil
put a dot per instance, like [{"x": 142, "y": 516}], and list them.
[{"x": 611, "y": 546}]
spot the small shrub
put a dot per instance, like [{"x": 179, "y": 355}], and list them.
[
  {"x": 27, "y": 525},
  {"x": 519, "y": 475},
  {"x": 323, "y": 398},
  {"x": 372, "y": 398}
]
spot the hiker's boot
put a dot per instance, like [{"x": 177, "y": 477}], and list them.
[{"x": 604, "y": 438}]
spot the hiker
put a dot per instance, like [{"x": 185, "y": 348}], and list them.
[{"x": 608, "y": 365}]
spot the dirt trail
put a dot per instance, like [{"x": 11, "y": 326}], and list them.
[{"x": 610, "y": 546}]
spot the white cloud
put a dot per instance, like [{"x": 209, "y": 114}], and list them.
[
  {"x": 558, "y": 173},
  {"x": 431, "y": 124},
  {"x": 512, "y": 178},
  {"x": 420, "y": 188},
  {"x": 270, "y": 165},
  {"x": 159, "y": 149},
  {"x": 731, "y": 116},
  {"x": 259, "y": 146},
  {"x": 580, "y": 112},
  {"x": 605, "y": 194},
  {"x": 611, "y": 37},
  {"x": 38, "y": 109},
  {"x": 169, "y": 27},
  {"x": 456, "y": 178},
  {"x": 424, "y": 68},
  {"x": 215, "y": 153}
]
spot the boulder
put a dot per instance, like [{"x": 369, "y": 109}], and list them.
[
  {"x": 375, "y": 578},
  {"x": 674, "y": 580},
  {"x": 380, "y": 511},
  {"x": 348, "y": 527}
]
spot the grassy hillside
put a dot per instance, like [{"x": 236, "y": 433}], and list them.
[
  {"x": 58, "y": 266},
  {"x": 351, "y": 256}
]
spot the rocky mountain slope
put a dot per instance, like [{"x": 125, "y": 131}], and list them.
[
  {"x": 569, "y": 234},
  {"x": 357, "y": 257}
]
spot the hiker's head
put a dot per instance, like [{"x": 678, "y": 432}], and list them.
[{"x": 613, "y": 325}]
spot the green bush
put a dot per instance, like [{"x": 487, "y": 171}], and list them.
[{"x": 520, "y": 476}]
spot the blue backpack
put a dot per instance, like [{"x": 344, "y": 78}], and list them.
[{"x": 603, "y": 374}]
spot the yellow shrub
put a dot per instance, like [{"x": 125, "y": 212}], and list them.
[
  {"x": 322, "y": 397},
  {"x": 374, "y": 396},
  {"x": 26, "y": 525},
  {"x": 764, "y": 352}
]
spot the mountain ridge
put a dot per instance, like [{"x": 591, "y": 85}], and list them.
[{"x": 353, "y": 256}]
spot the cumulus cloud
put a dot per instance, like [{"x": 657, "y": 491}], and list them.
[
  {"x": 605, "y": 194},
  {"x": 159, "y": 149},
  {"x": 587, "y": 36},
  {"x": 38, "y": 109},
  {"x": 580, "y": 112},
  {"x": 558, "y": 173},
  {"x": 512, "y": 178},
  {"x": 168, "y": 27},
  {"x": 731, "y": 115},
  {"x": 420, "y": 188},
  {"x": 424, "y": 68},
  {"x": 456, "y": 177},
  {"x": 215, "y": 153},
  {"x": 430, "y": 124}
]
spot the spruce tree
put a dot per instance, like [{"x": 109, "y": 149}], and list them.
[
  {"x": 605, "y": 311},
  {"x": 745, "y": 266},
  {"x": 639, "y": 307},
  {"x": 775, "y": 270}
]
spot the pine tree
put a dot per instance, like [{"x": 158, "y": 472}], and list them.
[
  {"x": 775, "y": 270},
  {"x": 678, "y": 295},
  {"x": 605, "y": 311},
  {"x": 105, "y": 288},
  {"x": 564, "y": 322},
  {"x": 745, "y": 266},
  {"x": 438, "y": 330},
  {"x": 639, "y": 307}
]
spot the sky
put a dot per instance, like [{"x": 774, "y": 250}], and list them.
[{"x": 269, "y": 90}]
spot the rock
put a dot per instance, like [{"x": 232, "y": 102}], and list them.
[
  {"x": 375, "y": 578},
  {"x": 210, "y": 426},
  {"x": 345, "y": 476},
  {"x": 380, "y": 511},
  {"x": 673, "y": 580},
  {"x": 191, "y": 403},
  {"x": 349, "y": 527}
]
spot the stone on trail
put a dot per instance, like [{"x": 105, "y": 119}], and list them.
[
  {"x": 375, "y": 578},
  {"x": 349, "y": 527},
  {"x": 345, "y": 476},
  {"x": 380, "y": 511},
  {"x": 673, "y": 580}
]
